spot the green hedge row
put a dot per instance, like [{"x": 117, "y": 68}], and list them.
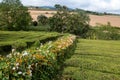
[
  {"x": 21, "y": 45},
  {"x": 39, "y": 63}
]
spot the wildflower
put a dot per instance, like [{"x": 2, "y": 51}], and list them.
[
  {"x": 41, "y": 45},
  {"x": 13, "y": 68},
  {"x": 19, "y": 72},
  {"x": 17, "y": 64},
  {"x": 36, "y": 64},
  {"x": 29, "y": 66},
  {"x": 23, "y": 74},
  {"x": 25, "y": 53},
  {"x": 17, "y": 67},
  {"x": 47, "y": 51},
  {"x": 19, "y": 60},
  {"x": 13, "y": 50},
  {"x": 18, "y": 53},
  {"x": 29, "y": 72},
  {"x": 9, "y": 56}
]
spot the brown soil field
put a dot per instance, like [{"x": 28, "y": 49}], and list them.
[
  {"x": 114, "y": 20},
  {"x": 94, "y": 19},
  {"x": 35, "y": 13}
]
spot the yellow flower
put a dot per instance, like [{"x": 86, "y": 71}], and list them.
[
  {"x": 38, "y": 56},
  {"x": 19, "y": 61}
]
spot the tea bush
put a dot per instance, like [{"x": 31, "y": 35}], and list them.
[{"x": 40, "y": 63}]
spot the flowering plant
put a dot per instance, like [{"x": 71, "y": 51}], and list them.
[{"x": 40, "y": 63}]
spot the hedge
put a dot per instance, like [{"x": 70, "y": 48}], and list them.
[
  {"x": 21, "y": 45},
  {"x": 40, "y": 63}
]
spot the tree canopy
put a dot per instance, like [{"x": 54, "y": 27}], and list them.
[
  {"x": 66, "y": 21},
  {"x": 13, "y": 15}
]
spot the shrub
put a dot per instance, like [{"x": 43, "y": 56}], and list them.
[
  {"x": 36, "y": 64},
  {"x": 35, "y": 23},
  {"x": 43, "y": 20},
  {"x": 63, "y": 21},
  {"x": 19, "y": 45},
  {"x": 13, "y": 15},
  {"x": 39, "y": 28},
  {"x": 105, "y": 32}
]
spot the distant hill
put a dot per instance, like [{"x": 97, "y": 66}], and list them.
[
  {"x": 82, "y": 10},
  {"x": 47, "y": 7},
  {"x": 44, "y": 7},
  {"x": 96, "y": 13}
]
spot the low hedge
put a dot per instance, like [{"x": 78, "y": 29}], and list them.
[
  {"x": 21, "y": 45},
  {"x": 40, "y": 63}
]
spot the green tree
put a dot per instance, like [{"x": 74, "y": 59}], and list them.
[
  {"x": 76, "y": 22},
  {"x": 42, "y": 19},
  {"x": 13, "y": 15}
]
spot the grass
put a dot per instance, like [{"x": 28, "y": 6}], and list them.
[{"x": 94, "y": 60}]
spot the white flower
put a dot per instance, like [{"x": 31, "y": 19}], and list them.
[
  {"x": 40, "y": 50},
  {"x": 13, "y": 68},
  {"x": 17, "y": 67},
  {"x": 41, "y": 45},
  {"x": 30, "y": 72},
  {"x": 29, "y": 66},
  {"x": 47, "y": 51},
  {"x": 9, "y": 56},
  {"x": 19, "y": 72},
  {"x": 13, "y": 50},
  {"x": 36, "y": 64},
  {"x": 17, "y": 64},
  {"x": 18, "y": 53},
  {"x": 23, "y": 74},
  {"x": 25, "y": 53}
]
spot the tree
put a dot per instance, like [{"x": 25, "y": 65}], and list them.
[
  {"x": 13, "y": 15},
  {"x": 42, "y": 19},
  {"x": 35, "y": 23},
  {"x": 76, "y": 22}
]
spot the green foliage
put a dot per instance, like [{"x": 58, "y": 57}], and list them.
[
  {"x": 65, "y": 21},
  {"x": 36, "y": 64},
  {"x": 94, "y": 60},
  {"x": 35, "y": 23},
  {"x": 105, "y": 32},
  {"x": 42, "y": 19},
  {"x": 13, "y": 15},
  {"x": 19, "y": 46},
  {"x": 39, "y": 28},
  {"x": 37, "y": 43},
  {"x": 21, "y": 38}
]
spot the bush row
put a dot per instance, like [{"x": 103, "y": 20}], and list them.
[
  {"x": 38, "y": 63},
  {"x": 20, "y": 45},
  {"x": 104, "y": 32}
]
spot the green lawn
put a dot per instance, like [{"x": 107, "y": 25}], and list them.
[
  {"x": 9, "y": 37},
  {"x": 94, "y": 60}
]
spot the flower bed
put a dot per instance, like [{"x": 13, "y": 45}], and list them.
[{"x": 41, "y": 63}]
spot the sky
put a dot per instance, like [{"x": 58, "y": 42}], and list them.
[{"x": 111, "y": 6}]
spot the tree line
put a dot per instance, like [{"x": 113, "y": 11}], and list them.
[{"x": 15, "y": 16}]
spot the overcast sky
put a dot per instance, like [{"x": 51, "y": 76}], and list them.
[{"x": 94, "y": 5}]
